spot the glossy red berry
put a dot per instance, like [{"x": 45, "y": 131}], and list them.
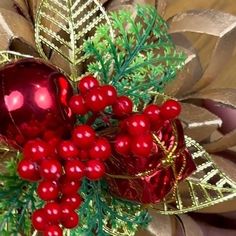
[
  {"x": 142, "y": 145},
  {"x": 100, "y": 150},
  {"x": 74, "y": 170},
  {"x": 170, "y": 110},
  {"x": 53, "y": 230},
  {"x": 28, "y": 170},
  {"x": 77, "y": 105},
  {"x": 122, "y": 145},
  {"x": 95, "y": 170},
  {"x": 86, "y": 83},
  {"x": 83, "y": 154},
  {"x": 138, "y": 124},
  {"x": 96, "y": 100},
  {"x": 66, "y": 208},
  {"x": 74, "y": 200},
  {"x": 52, "y": 211},
  {"x": 83, "y": 136},
  {"x": 39, "y": 220},
  {"x": 152, "y": 111},
  {"x": 47, "y": 190},
  {"x": 110, "y": 94},
  {"x": 71, "y": 221},
  {"x": 68, "y": 186},
  {"x": 50, "y": 169},
  {"x": 36, "y": 150},
  {"x": 123, "y": 106},
  {"x": 67, "y": 150}
]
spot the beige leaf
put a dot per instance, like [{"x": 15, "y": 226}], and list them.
[
  {"x": 12, "y": 25},
  {"x": 22, "y": 5},
  {"x": 214, "y": 23},
  {"x": 33, "y": 6},
  {"x": 224, "y": 96},
  {"x": 198, "y": 122},
  {"x": 7, "y": 5}
]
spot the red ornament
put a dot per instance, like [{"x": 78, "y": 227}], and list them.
[
  {"x": 33, "y": 99},
  {"x": 95, "y": 170},
  {"x": 71, "y": 220},
  {"x": 123, "y": 106},
  {"x": 39, "y": 220},
  {"x": 50, "y": 169},
  {"x": 110, "y": 93},
  {"x": 74, "y": 170},
  {"x": 48, "y": 190},
  {"x": 170, "y": 109},
  {"x": 68, "y": 150},
  {"x": 77, "y": 105},
  {"x": 100, "y": 150},
  {"x": 138, "y": 124},
  {"x": 53, "y": 230},
  {"x": 87, "y": 83},
  {"x": 73, "y": 200},
  {"x": 68, "y": 186},
  {"x": 52, "y": 211},
  {"x": 145, "y": 178}
]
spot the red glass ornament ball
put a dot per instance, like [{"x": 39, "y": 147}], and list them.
[
  {"x": 53, "y": 230},
  {"x": 95, "y": 170},
  {"x": 28, "y": 170},
  {"x": 33, "y": 98}
]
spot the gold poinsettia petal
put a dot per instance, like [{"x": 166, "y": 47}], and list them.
[
  {"x": 71, "y": 28},
  {"x": 207, "y": 186},
  {"x": 214, "y": 23},
  {"x": 13, "y": 26},
  {"x": 198, "y": 122}
]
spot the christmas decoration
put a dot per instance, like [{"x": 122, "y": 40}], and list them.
[{"x": 122, "y": 120}]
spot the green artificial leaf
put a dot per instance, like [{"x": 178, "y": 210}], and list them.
[
  {"x": 207, "y": 186},
  {"x": 62, "y": 26},
  {"x": 103, "y": 215},
  {"x": 139, "y": 59}
]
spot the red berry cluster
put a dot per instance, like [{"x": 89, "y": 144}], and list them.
[
  {"x": 136, "y": 130},
  {"x": 59, "y": 165}
]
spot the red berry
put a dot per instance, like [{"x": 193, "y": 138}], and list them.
[
  {"x": 28, "y": 170},
  {"x": 66, "y": 208},
  {"x": 122, "y": 145},
  {"x": 83, "y": 136},
  {"x": 153, "y": 113},
  {"x": 95, "y": 170},
  {"x": 67, "y": 150},
  {"x": 71, "y": 221},
  {"x": 47, "y": 190},
  {"x": 138, "y": 124},
  {"x": 74, "y": 169},
  {"x": 170, "y": 110},
  {"x": 100, "y": 150},
  {"x": 35, "y": 150},
  {"x": 86, "y": 83},
  {"x": 110, "y": 93},
  {"x": 77, "y": 105},
  {"x": 50, "y": 169},
  {"x": 39, "y": 220},
  {"x": 74, "y": 200},
  {"x": 52, "y": 211},
  {"x": 53, "y": 230},
  {"x": 123, "y": 106},
  {"x": 142, "y": 145},
  {"x": 96, "y": 100},
  {"x": 83, "y": 155},
  {"x": 68, "y": 186}
]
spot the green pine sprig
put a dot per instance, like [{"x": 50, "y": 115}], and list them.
[
  {"x": 139, "y": 59},
  {"x": 101, "y": 214}
]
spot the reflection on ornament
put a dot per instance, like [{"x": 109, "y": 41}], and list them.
[{"x": 33, "y": 101}]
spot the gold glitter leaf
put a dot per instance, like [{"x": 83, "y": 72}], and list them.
[
  {"x": 63, "y": 25},
  {"x": 207, "y": 186}
]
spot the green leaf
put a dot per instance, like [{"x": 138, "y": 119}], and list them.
[
  {"x": 206, "y": 187},
  {"x": 141, "y": 57},
  {"x": 103, "y": 215},
  {"x": 62, "y": 26}
]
